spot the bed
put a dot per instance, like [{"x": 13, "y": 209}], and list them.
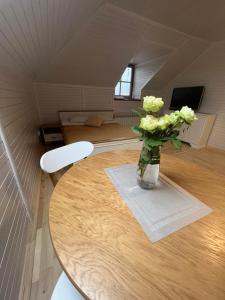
[{"x": 109, "y": 136}]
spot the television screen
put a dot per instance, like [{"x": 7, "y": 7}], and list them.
[{"x": 190, "y": 96}]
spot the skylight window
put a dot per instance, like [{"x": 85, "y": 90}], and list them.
[{"x": 123, "y": 89}]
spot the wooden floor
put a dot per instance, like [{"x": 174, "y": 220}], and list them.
[{"x": 46, "y": 268}]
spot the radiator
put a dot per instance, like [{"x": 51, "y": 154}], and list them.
[{"x": 128, "y": 121}]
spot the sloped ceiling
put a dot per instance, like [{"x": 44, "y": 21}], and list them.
[
  {"x": 34, "y": 31},
  {"x": 176, "y": 62},
  {"x": 111, "y": 40},
  {"x": 89, "y": 42},
  {"x": 200, "y": 18}
]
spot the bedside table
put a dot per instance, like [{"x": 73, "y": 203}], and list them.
[{"x": 51, "y": 134}]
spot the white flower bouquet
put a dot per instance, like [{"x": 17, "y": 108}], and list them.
[{"x": 155, "y": 130}]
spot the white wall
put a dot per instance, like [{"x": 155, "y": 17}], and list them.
[
  {"x": 18, "y": 121},
  {"x": 144, "y": 72},
  {"x": 125, "y": 108},
  {"x": 176, "y": 63},
  {"x": 52, "y": 98},
  {"x": 208, "y": 70},
  {"x": 18, "y": 118}
]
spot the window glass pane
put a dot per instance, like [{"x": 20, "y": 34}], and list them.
[
  {"x": 126, "y": 75},
  {"x": 117, "y": 89},
  {"x": 125, "y": 89}
]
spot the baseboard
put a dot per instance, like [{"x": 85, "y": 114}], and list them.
[
  {"x": 198, "y": 146},
  {"x": 215, "y": 149}
]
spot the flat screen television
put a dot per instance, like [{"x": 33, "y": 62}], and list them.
[{"x": 190, "y": 96}]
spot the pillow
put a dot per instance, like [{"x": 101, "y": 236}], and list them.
[
  {"x": 70, "y": 121},
  {"x": 76, "y": 121},
  {"x": 94, "y": 121}
]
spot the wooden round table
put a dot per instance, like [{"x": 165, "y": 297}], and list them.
[{"x": 105, "y": 252}]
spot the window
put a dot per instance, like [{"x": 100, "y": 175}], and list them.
[{"x": 123, "y": 89}]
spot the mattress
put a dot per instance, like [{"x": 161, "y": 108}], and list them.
[{"x": 105, "y": 133}]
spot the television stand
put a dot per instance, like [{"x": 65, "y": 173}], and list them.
[{"x": 197, "y": 134}]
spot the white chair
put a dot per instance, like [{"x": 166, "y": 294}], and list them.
[
  {"x": 64, "y": 290},
  {"x": 52, "y": 161}
]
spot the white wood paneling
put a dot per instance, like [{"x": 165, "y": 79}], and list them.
[
  {"x": 98, "y": 98},
  {"x": 128, "y": 121},
  {"x": 176, "y": 62},
  {"x": 207, "y": 70},
  {"x": 144, "y": 72},
  {"x": 32, "y": 32},
  {"x": 52, "y": 98},
  {"x": 13, "y": 230},
  {"x": 88, "y": 42},
  {"x": 18, "y": 118},
  {"x": 112, "y": 38},
  {"x": 201, "y": 18},
  {"x": 15, "y": 173}
]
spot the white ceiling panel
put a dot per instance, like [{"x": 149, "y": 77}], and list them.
[
  {"x": 110, "y": 40},
  {"x": 201, "y": 18},
  {"x": 149, "y": 52},
  {"x": 90, "y": 42}
]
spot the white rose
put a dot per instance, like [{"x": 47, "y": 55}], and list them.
[
  {"x": 152, "y": 104},
  {"x": 163, "y": 122},
  {"x": 149, "y": 123},
  {"x": 187, "y": 114}
]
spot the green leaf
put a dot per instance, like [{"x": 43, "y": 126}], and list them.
[
  {"x": 136, "y": 129},
  {"x": 153, "y": 143},
  {"x": 177, "y": 144},
  {"x": 147, "y": 145},
  {"x": 167, "y": 138},
  {"x": 140, "y": 113},
  {"x": 171, "y": 136},
  {"x": 145, "y": 158},
  {"x": 174, "y": 133}
]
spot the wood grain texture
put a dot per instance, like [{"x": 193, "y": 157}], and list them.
[{"x": 105, "y": 252}]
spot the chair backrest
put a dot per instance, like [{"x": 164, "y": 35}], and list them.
[
  {"x": 64, "y": 290},
  {"x": 56, "y": 159}
]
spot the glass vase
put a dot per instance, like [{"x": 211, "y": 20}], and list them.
[{"x": 148, "y": 167}]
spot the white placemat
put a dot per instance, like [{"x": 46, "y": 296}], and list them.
[{"x": 160, "y": 211}]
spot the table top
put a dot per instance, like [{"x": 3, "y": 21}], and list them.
[{"x": 105, "y": 252}]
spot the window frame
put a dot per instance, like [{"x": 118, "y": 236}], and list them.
[{"x": 127, "y": 98}]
